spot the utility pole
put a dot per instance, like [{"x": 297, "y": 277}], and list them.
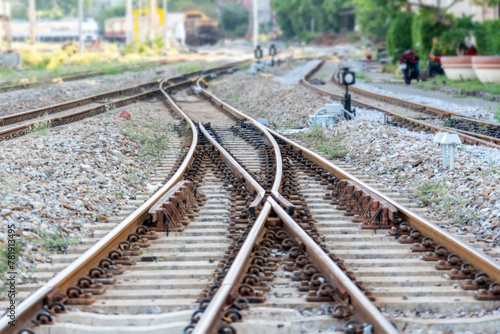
[
  {"x": 8, "y": 28},
  {"x": 152, "y": 15},
  {"x": 255, "y": 25},
  {"x": 141, "y": 27},
  {"x": 80, "y": 26},
  {"x": 129, "y": 22},
  {"x": 32, "y": 17},
  {"x": 165, "y": 27}
]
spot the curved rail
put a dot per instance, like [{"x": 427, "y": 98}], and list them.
[
  {"x": 365, "y": 309},
  {"x": 211, "y": 316},
  {"x": 18, "y": 124},
  {"x": 259, "y": 192},
  {"x": 80, "y": 267},
  {"x": 480, "y": 260},
  {"x": 277, "y": 153},
  {"x": 466, "y": 136},
  {"x": 12, "y": 85}
]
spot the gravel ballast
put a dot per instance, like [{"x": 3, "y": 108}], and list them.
[
  {"x": 285, "y": 105},
  {"x": 469, "y": 196},
  {"x": 467, "y": 110},
  {"x": 29, "y": 99},
  {"x": 53, "y": 183}
]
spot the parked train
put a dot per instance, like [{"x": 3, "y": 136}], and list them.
[
  {"x": 200, "y": 29},
  {"x": 63, "y": 30},
  {"x": 115, "y": 29},
  {"x": 193, "y": 28}
]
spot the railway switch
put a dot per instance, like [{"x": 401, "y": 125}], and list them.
[{"x": 330, "y": 115}]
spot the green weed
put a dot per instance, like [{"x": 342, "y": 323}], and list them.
[
  {"x": 41, "y": 128},
  {"x": 55, "y": 240},
  {"x": 233, "y": 97},
  {"x": 119, "y": 194},
  {"x": 438, "y": 195},
  {"x": 6, "y": 256},
  {"x": 497, "y": 114},
  {"x": 113, "y": 71},
  {"x": 189, "y": 67},
  {"x": 154, "y": 143},
  {"x": 327, "y": 143}
]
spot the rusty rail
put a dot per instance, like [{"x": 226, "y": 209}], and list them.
[
  {"x": 466, "y": 136},
  {"x": 212, "y": 315},
  {"x": 26, "y": 119},
  {"x": 277, "y": 153},
  {"x": 481, "y": 261},
  {"x": 12, "y": 85},
  {"x": 259, "y": 192},
  {"x": 32, "y": 305},
  {"x": 365, "y": 310}
]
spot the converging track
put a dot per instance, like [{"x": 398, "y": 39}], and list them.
[
  {"x": 414, "y": 116},
  {"x": 254, "y": 233}
]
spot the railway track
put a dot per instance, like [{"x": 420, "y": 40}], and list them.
[
  {"x": 68, "y": 77},
  {"x": 268, "y": 244},
  {"x": 20, "y": 124},
  {"x": 414, "y": 116}
]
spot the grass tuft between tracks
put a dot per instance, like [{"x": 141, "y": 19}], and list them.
[
  {"x": 323, "y": 141},
  {"x": 437, "y": 194},
  {"x": 150, "y": 135},
  {"x": 41, "y": 128},
  {"x": 477, "y": 85}
]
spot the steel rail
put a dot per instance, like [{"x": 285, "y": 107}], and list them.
[
  {"x": 211, "y": 317},
  {"x": 480, "y": 260},
  {"x": 415, "y": 105},
  {"x": 365, "y": 310},
  {"x": 277, "y": 152},
  {"x": 13, "y": 118},
  {"x": 17, "y": 117},
  {"x": 80, "y": 267},
  {"x": 67, "y": 77},
  {"x": 259, "y": 192},
  {"x": 25, "y": 120},
  {"x": 466, "y": 136}
]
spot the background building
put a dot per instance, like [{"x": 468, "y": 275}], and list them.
[{"x": 480, "y": 12}]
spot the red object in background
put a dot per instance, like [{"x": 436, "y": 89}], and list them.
[
  {"x": 410, "y": 56},
  {"x": 471, "y": 51},
  {"x": 125, "y": 114},
  {"x": 369, "y": 56},
  {"x": 435, "y": 58}
]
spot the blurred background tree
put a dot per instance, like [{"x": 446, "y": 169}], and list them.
[
  {"x": 206, "y": 6},
  {"x": 303, "y": 18},
  {"x": 51, "y": 9},
  {"x": 375, "y": 16},
  {"x": 234, "y": 19}
]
